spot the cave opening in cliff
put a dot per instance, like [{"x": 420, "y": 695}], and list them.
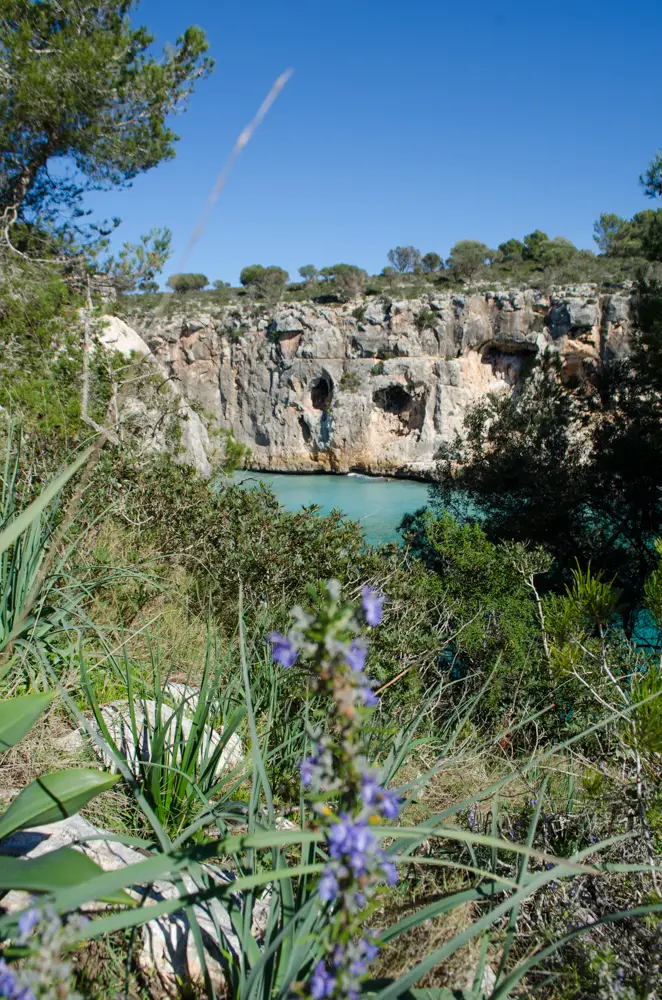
[
  {"x": 393, "y": 399},
  {"x": 321, "y": 393},
  {"x": 305, "y": 430},
  {"x": 510, "y": 364},
  {"x": 397, "y": 402}
]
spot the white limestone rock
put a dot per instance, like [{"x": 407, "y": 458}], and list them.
[
  {"x": 117, "y": 718},
  {"x": 118, "y": 335}
]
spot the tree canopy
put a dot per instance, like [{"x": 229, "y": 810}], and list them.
[
  {"x": 652, "y": 179},
  {"x": 308, "y": 272},
  {"x": 405, "y": 259},
  {"x": 79, "y": 88},
  {"x": 181, "y": 283},
  {"x": 638, "y": 237},
  {"x": 267, "y": 282},
  {"x": 467, "y": 257},
  {"x": 348, "y": 279},
  {"x": 431, "y": 262}
]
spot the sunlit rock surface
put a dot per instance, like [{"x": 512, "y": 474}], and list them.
[{"x": 378, "y": 385}]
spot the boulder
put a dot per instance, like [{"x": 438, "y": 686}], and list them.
[
  {"x": 194, "y": 325},
  {"x": 118, "y": 336},
  {"x": 285, "y": 322},
  {"x": 117, "y": 718},
  {"x": 168, "y": 951}
]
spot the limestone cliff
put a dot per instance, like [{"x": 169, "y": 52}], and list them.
[
  {"x": 155, "y": 412},
  {"x": 378, "y": 386}
]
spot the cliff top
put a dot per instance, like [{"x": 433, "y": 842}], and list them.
[{"x": 403, "y": 295}]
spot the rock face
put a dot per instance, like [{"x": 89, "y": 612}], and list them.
[
  {"x": 378, "y": 387},
  {"x": 157, "y": 414}
]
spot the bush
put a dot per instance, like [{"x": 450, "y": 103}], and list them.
[
  {"x": 308, "y": 273},
  {"x": 425, "y": 318},
  {"x": 350, "y": 381},
  {"x": 349, "y": 280},
  {"x": 266, "y": 282},
  {"x": 250, "y": 275},
  {"x": 405, "y": 259},
  {"x": 431, "y": 262},
  {"x": 182, "y": 283},
  {"x": 468, "y": 258}
]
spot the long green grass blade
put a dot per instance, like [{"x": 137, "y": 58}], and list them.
[
  {"x": 16, "y": 528},
  {"x": 504, "y": 989},
  {"x": 55, "y": 870}
]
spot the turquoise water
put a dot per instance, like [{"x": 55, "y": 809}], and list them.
[{"x": 378, "y": 504}]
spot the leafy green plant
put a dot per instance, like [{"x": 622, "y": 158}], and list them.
[
  {"x": 182, "y": 748},
  {"x": 47, "y": 799},
  {"x": 104, "y": 102},
  {"x": 235, "y": 454},
  {"x": 424, "y": 319},
  {"x": 182, "y": 283},
  {"x": 350, "y": 381},
  {"x": 289, "y": 862},
  {"x": 35, "y": 606}
]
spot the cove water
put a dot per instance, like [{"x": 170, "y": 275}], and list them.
[{"x": 377, "y": 504}]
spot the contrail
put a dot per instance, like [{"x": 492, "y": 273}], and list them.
[{"x": 243, "y": 140}]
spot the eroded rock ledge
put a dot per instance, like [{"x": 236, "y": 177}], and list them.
[{"x": 377, "y": 386}]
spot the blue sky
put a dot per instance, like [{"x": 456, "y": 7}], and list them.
[{"x": 422, "y": 122}]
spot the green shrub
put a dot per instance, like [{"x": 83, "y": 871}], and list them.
[
  {"x": 424, "y": 319},
  {"x": 350, "y": 381},
  {"x": 182, "y": 283}
]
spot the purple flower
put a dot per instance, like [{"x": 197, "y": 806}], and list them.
[
  {"x": 358, "y": 968},
  {"x": 10, "y": 985},
  {"x": 340, "y": 838},
  {"x": 360, "y": 957},
  {"x": 390, "y": 872},
  {"x": 356, "y": 655},
  {"x": 370, "y": 950},
  {"x": 307, "y": 768},
  {"x": 390, "y": 804},
  {"x": 283, "y": 650},
  {"x": 28, "y": 921},
  {"x": 327, "y": 887},
  {"x": 372, "y": 794},
  {"x": 370, "y": 790},
  {"x": 322, "y": 982},
  {"x": 353, "y": 841},
  {"x": 337, "y": 957},
  {"x": 370, "y": 699},
  {"x": 372, "y": 601}
]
